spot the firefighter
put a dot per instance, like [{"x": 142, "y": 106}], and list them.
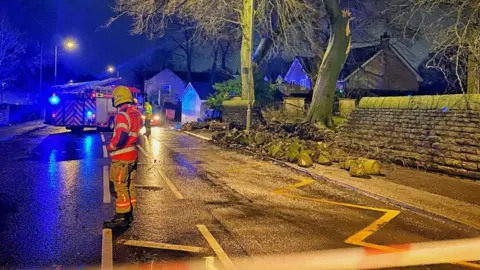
[
  {"x": 148, "y": 117},
  {"x": 124, "y": 154}
]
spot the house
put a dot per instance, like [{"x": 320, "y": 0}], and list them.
[
  {"x": 196, "y": 93},
  {"x": 166, "y": 88},
  {"x": 379, "y": 70},
  {"x": 193, "y": 100}
]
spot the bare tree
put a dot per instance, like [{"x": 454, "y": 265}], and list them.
[
  {"x": 453, "y": 29},
  {"x": 11, "y": 49},
  {"x": 279, "y": 20}
]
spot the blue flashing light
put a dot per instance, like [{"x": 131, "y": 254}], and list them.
[
  {"x": 54, "y": 100},
  {"x": 89, "y": 114}
]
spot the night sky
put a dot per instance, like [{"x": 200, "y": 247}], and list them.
[
  {"x": 98, "y": 46},
  {"x": 54, "y": 20}
]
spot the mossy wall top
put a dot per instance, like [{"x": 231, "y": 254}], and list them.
[{"x": 439, "y": 102}]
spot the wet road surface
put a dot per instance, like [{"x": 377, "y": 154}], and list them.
[{"x": 190, "y": 193}]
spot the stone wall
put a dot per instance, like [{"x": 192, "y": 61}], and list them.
[
  {"x": 237, "y": 116},
  {"x": 445, "y": 140}
]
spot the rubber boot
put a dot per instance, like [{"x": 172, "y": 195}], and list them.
[
  {"x": 119, "y": 220},
  {"x": 130, "y": 217}
]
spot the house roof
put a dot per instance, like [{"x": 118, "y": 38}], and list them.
[
  {"x": 220, "y": 76},
  {"x": 203, "y": 89},
  {"x": 357, "y": 58},
  {"x": 309, "y": 64}
]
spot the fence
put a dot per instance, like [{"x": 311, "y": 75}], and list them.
[{"x": 13, "y": 114}]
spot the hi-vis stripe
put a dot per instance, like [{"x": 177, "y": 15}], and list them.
[
  {"x": 123, "y": 151},
  {"x": 73, "y": 112}
]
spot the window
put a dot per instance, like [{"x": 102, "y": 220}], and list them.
[
  {"x": 303, "y": 83},
  {"x": 166, "y": 89}
]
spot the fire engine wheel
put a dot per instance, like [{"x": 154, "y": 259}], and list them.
[{"x": 77, "y": 129}]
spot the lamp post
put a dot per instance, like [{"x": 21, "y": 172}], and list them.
[
  {"x": 111, "y": 69},
  {"x": 69, "y": 45},
  {"x": 249, "y": 104}
]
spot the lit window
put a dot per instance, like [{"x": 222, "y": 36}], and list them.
[
  {"x": 166, "y": 89},
  {"x": 303, "y": 83}
]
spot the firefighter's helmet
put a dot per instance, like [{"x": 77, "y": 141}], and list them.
[{"x": 122, "y": 95}]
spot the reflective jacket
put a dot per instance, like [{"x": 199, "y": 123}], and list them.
[
  {"x": 148, "y": 111},
  {"x": 123, "y": 145}
]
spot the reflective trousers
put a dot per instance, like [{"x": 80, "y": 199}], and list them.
[
  {"x": 148, "y": 127},
  {"x": 122, "y": 185}
]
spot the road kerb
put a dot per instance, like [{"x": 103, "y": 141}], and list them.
[
  {"x": 107, "y": 250},
  {"x": 198, "y": 136}
]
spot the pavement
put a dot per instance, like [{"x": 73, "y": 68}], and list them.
[{"x": 195, "y": 201}]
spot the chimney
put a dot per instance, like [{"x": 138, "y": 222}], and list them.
[{"x": 385, "y": 40}]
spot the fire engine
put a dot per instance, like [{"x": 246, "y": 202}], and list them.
[{"x": 85, "y": 105}]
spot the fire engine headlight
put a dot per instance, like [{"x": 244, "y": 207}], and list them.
[
  {"x": 143, "y": 116},
  {"x": 156, "y": 117},
  {"x": 54, "y": 100}
]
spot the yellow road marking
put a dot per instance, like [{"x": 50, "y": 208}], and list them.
[
  {"x": 107, "y": 249},
  {"x": 372, "y": 228},
  {"x": 148, "y": 244},
  {"x": 222, "y": 256},
  {"x": 359, "y": 237}
]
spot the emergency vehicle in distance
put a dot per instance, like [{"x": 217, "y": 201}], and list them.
[{"x": 76, "y": 106}]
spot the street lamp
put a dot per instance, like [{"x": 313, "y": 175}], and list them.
[
  {"x": 69, "y": 45},
  {"x": 111, "y": 69}
]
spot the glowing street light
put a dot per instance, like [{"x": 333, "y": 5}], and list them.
[
  {"x": 111, "y": 69},
  {"x": 70, "y": 45}
]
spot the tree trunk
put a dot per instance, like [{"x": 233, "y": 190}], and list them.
[
  {"x": 225, "y": 49},
  {"x": 213, "y": 70},
  {"x": 473, "y": 75},
  {"x": 262, "y": 49},
  {"x": 188, "y": 54},
  {"x": 321, "y": 108},
  {"x": 245, "y": 51}
]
